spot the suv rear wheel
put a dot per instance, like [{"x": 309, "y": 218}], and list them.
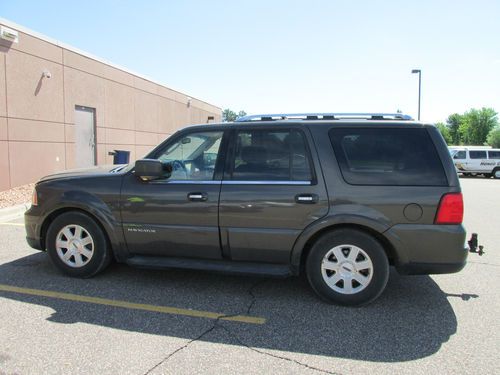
[
  {"x": 77, "y": 245},
  {"x": 347, "y": 267}
]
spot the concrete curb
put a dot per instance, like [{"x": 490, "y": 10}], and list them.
[{"x": 13, "y": 212}]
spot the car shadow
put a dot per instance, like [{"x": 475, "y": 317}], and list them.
[{"x": 411, "y": 320}]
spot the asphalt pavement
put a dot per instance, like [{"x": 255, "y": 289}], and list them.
[{"x": 132, "y": 321}]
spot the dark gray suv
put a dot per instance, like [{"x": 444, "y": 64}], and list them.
[{"x": 340, "y": 197}]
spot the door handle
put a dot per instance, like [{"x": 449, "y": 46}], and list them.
[
  {"x": 306, "y": 198},
  {"x": 197, "y": 197}
]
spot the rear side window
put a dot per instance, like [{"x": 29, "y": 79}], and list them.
[
  {"x": 401, "y": 157},
  {"x": 477, "y": 154},
  {"x": 494, "y": 154}
]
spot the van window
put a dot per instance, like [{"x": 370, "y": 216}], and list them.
[
  {"x": 402, "y": 157},
  {"x": 460, "y": 155},
  {"x": 477, "y": 154},
  {"x": 494, "y": 154}
]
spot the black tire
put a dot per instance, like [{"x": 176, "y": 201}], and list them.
[
  {"x": 356, "y": 239},
  {"x": 101, "y": 254}
]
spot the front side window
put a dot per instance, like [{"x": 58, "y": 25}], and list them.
[
  {"x": 460, "y": 155},
  {"x": 271, "y": 155},
  {"x": 477, "y": 154},
  {"x": 192, "y": 157},
  {"x": 382, "y": 156}
]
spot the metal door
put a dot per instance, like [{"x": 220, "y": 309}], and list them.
[
  {"x": 177, "y": 215},
  {"x": 85, "y": 150},
  {"x": 269, "y": 194}
]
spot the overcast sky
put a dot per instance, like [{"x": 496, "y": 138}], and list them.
[{"x": 292, "y": 56}]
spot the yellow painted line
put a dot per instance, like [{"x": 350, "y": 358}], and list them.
[
  {"x": 14, "y": 224},
  {"x": 131, "y": 305}
]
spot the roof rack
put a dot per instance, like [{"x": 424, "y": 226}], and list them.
[{"x": 325, "y": 116}]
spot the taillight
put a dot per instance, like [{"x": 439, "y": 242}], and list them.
[{"x": 451, "y": 209}]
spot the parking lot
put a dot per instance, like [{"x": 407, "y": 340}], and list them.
[{"x": 182, "y": 322}]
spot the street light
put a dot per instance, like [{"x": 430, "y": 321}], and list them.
[{"x": 419, "y": 88}]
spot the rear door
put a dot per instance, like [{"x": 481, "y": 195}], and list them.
[{"x": 272, "y": 189}]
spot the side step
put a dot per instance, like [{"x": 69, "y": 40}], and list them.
[{"x": 224, "y": 266}]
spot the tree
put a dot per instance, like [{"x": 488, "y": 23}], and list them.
[
  {"x": 494, "y": 138},
  {"x": 229, "y": 115},
  {"x": 445, "y": 132},
  {"x": 477, "y": 124},
  {"x": 453, "y": 123}
]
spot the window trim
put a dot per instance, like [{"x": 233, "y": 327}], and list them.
[{"x": 227, "y": 178}]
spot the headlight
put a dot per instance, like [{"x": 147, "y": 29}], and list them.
[{"x": 34, "y": 198}]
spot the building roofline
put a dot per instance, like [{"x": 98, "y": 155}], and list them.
[{"x": 68, "y": 47}]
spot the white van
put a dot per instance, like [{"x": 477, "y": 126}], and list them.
[{"x": 472, "y": 161}]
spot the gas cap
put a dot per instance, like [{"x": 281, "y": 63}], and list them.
[{"x": 413, "y": 212}]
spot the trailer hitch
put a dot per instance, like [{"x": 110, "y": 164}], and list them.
[{"x": 473, "y": 245}]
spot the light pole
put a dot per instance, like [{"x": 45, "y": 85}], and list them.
[{"x": 419, "y": 88}]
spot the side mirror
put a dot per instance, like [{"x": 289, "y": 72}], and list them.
[{"x": 149, "y": 169}]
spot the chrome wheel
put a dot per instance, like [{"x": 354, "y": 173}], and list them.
[
  {"x": 74, "y": 245},
  {"x": 496, "y": 174},
  {"x": 347, "y": 269}
]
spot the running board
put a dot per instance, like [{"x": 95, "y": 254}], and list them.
[{"x": 224, "y": 266}]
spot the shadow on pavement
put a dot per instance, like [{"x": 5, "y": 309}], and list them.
[{"x": 411, "y": 320}]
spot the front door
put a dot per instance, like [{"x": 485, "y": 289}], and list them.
[
  {"x": 269, "y": 194},
  {"x": 85, "y": 149},
  {"x": 178, "y": 215}
]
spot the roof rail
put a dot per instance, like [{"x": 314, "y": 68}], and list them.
[{"x": 324, "y": 116}]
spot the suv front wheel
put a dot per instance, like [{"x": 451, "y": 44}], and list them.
[
  {"x": 77, "y": 245},
  {"x": 347, "y": 267}
]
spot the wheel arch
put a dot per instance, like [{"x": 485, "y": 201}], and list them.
[
  {"x": 49, "y": 219},
  {"x": 300, "y": 254}
]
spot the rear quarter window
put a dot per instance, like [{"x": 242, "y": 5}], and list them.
[{"x": 382, "y": 156}]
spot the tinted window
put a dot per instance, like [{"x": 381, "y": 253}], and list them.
[
  {"x": 271, "y": 155},
  {"x": 494, "y": 154},
  {"x": 477, "y": 154},
  {"x": 460, "y": 155},
  {"x": 387, "y": 157},
  {"x": 193, "y": 157}
]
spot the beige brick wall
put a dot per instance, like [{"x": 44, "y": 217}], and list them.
[{"x": 37, "y": 114}]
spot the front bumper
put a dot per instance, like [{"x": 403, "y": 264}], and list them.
[
  {"x": 428, "y": 249},
  {"x": 33, "y": 225}
]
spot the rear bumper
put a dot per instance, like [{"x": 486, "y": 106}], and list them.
[{"x": 428, "y": 249}]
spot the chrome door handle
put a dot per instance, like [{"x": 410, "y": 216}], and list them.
[
  {"x": 197, "y": 197},
  {"x": 306, "y": 198}
]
